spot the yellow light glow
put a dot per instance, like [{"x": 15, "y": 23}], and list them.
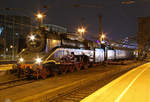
[
  {"x": 103, "y": 36},
  {"x": 38, "y": 60},
  {"x": 39, "y": 16},
  {"x": 54, "y": 41},
  {"x": 11, "y": 46},
  {"x": 81, "y": 30},
  {"x": 21, "y": 59},
  {"x": 32, "y": 37}
]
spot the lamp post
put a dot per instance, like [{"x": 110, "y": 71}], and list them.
[
  {"x": 101, "y": 38},
  {"x": 81, "y": 30},
  {"x": 12, "y": 50}
]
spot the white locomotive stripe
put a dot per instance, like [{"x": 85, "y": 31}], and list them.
[{"x": 50, "y": 55}]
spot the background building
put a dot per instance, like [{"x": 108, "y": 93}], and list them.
[
  {"x": 144, "y": 36},
  {"x": 56, "y": 28},
  {"x": 13, "y": 30}
]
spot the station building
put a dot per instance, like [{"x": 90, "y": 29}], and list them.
[{"x": 13, "y": 30}]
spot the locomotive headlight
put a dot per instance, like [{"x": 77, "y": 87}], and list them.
[
  {"x": 32, "y": 37},
  {"x": 38, "y": 60},
  {"x": 21, "y": 59}
]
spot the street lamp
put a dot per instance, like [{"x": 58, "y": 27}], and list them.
[
  {"x": 81, "y": 30},
  {"x": 102, "y": 37},
  {"x": 40, "y": 17},
  {"x": 12, "y": 49}
]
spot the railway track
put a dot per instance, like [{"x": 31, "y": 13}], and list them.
[
  {"x": 14, "y": 83},
  {"x": 79, "y": 93}
]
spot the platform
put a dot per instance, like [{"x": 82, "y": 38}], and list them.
[
  {"x": 130, "y": 87},
  {"x": 4, "y": 67}
]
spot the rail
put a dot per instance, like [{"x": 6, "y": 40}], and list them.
[
  {"x": 7, "y": 62},
  {"x": 14, "y": 83}
]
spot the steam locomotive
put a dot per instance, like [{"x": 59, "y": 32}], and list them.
[{"x": 47, "y": 52}]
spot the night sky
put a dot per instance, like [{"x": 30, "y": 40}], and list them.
[{"x": 118, "y": 21}]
